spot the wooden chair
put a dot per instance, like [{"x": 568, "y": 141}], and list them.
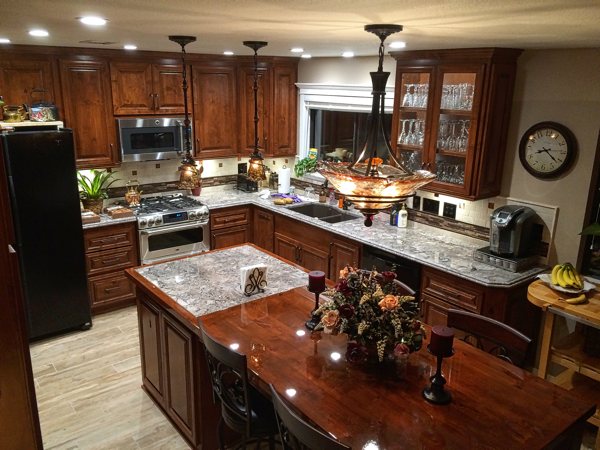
[
  {"x": 491, "y": 335},
  {"x": 297, "y": 434},
  {"x": 243, "y": 408}
]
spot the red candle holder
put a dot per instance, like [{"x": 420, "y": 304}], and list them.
[
  {"x": 440, "y": 345},
  {"x": 316, "y": 285}
]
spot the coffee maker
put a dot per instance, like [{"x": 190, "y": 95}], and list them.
[{"x": 514, "y": 231}]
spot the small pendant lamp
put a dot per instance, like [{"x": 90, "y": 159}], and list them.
[{"x": 256, "y": 167}]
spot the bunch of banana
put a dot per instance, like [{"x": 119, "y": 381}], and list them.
[{"x": 566, "y": 276}]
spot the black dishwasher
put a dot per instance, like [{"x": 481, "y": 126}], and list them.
[{"x": 407, "y": 271}]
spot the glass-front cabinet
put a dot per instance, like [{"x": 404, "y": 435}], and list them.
[{"x": 451, "y": 114}]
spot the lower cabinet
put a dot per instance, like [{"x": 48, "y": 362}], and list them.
[
  {"x": 174, "y": 372},
  {"x": 441, "y": 291},
  {"x": 108, "y": 251},
  {"x": 231, "y": 226},
  {"x": 263, "y": 228},
  {"x": 313, "y": 248}
]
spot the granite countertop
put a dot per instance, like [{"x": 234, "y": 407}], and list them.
[
  {"x": 434, "y": 247},
  {"x": 106, "y": 220},
  {"x": 210, "y": 282}
]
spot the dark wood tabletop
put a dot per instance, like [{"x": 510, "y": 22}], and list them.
[{"x": 495, "y": 405}]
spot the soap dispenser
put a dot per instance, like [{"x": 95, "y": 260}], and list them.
[{"x": 403, "y": 217}]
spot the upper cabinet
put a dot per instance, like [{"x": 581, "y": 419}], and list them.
[
  {"x": 215, "y": 111},
  {"x": 25, "y": 80},
  {"x": 451, "y": 116},
  {"x": 277, "y": 107},
  {"x": 86, "y": 98},
  {"x": 145, "y": 88}
]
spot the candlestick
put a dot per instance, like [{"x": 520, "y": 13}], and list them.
[
  {"x": 441, "y": 341},
  {"x": 316, "y": 284},
  {"x": 316, "y": 281},
  {"x": 440, "y": 345}
]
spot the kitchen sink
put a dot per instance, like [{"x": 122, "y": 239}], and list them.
[{"x": 326, "y": 213}]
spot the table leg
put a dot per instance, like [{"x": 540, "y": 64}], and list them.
[{"x": 546, "y": 342}]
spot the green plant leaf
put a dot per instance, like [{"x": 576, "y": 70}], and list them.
[{"x": 97, "y": 186}]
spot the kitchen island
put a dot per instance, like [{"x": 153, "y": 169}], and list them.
[{"x": 495, "y": 403}]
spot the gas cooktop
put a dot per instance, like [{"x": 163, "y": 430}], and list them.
[
  {"x": 166, "y": 203},
  {"x": 160, "y": 211}
]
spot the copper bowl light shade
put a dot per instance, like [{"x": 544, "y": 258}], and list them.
[{"x": 374, "y": 182}]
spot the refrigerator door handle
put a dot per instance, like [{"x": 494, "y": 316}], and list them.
[{"x": 11, "y": 249}]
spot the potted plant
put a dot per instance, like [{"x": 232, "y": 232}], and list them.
[{"x": 93, "y": 189}]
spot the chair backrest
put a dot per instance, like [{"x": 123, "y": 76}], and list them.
[
  {"x": 229, "y": 379},
  {"x": 296, "y": 433},
  {"x": 491, "y": 335}
]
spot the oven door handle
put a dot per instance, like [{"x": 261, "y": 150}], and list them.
[
  {"x": 182, "y": 132},
  {"x": 163, "y": 230}
]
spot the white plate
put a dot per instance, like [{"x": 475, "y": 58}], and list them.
[{"x": 547, "y": 278}]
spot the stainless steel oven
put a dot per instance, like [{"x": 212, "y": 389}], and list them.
[
  {"x": 151, "y": 139},
  {"x": 172, "y": 241},
  {"x": 172, "y": 226}
]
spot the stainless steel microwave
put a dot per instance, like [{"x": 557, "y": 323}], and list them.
[{"x": 151, "y": 139}]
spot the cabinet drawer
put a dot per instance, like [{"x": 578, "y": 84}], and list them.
[
  {"x": 452, "y": 290},
  {"x": 110, "y": 288},
  {"x": 229, "y": 218},
  {"x": 104, "y": 238},
  {"x": 110, "y": 260}
]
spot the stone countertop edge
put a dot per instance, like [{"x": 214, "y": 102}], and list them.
[
  {"x": 105, "y": 220},
  {"x": 440, "y": 249}
]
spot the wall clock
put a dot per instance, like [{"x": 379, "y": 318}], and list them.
[{"x": 547, "y": 149}]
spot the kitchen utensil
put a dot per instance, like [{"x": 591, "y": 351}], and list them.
[{"x": 13, "y": 113}]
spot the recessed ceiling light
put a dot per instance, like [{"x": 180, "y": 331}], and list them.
[
  {"x": 397, "y": 44},
  {"x": 130, "y": 47},
  {"x": 228, "y": 53},
  {"x": 4, "y": 41},
  {"x": 38, "y": 33},
  {"x": 93, "y": 20},
  {"x": 348, "y": 54},
  {"x": 306, "y": 56},
  {"x": 297, "y": 50}
]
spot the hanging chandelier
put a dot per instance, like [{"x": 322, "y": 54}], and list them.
[
  {"x": 374, "y": 181},
  {"x": 189, "y": 171},
  {"x": 256, "y": 166}
]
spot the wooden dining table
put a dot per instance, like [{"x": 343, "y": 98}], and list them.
[{"x": 371, "y": 406}]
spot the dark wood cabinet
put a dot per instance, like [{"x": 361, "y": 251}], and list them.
[
  {"x": 441, "y": 291},
  {"x": 277, "y": 105},
  {"x": 26, "y": 79},
  {"x": 179, "y": 375},
  {"x": 264, "y": 228},
  {"x": 231, "y": 226},
  {"x": 342, "y": 253},
  {"x": 215, "y": 111},
  {"x": 312, "y": 247},
  {"x": 451, "y": 116},
  {"x": 151, "y": 356},
  {"x": 110, "y": 250},
  {"x": 86, "y": 98},
  {"x": 146, "y": 88},
  {"x": 283, "y": 111}
]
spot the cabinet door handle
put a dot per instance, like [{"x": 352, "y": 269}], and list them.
[
  {"x": 265, "y": 141},
  {"x": 156, "y": 102},
  {"x": 197, "y": 143},
  {"x": 111, "y": 260},
  {"x": 110, "y": 289}
]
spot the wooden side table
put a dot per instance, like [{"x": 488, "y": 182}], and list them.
[{"x": 583, "y": 370}]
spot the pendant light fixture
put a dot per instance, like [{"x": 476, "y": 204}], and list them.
[
  {"x": 375, "y": 180},
  {"x": 256, "y": 167},
  {"x": 189, "y": 172}
]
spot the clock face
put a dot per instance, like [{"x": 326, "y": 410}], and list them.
[{"x": 547, "y": 149}]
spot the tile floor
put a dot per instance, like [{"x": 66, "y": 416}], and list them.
[{"x": 88, "y": 390}]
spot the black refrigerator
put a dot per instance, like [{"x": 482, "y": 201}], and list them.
[{"x": 42, "y": 183}]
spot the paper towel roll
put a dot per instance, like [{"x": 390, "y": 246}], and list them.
[{"x": 284, "y": 180}]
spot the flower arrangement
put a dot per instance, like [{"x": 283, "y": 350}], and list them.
[{"x": 370, "y": 309}]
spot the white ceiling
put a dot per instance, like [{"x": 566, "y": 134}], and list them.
[{"x": 322, "y": 28}]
